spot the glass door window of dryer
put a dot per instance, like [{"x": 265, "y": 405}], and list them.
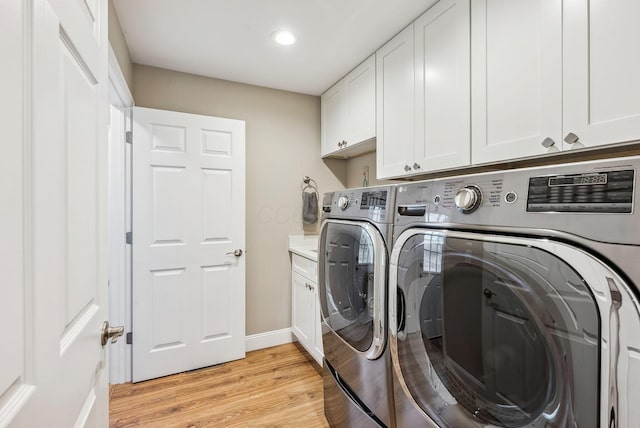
[
  {"x": 496, "y": 333},
  {"x": 348, "y": 303}
]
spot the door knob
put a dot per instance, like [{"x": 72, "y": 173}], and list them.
[
  {"x": 237, "y": 252},
  {"x": 112, "y": 333}
]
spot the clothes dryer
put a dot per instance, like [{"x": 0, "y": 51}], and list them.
[
  {"x": 353, "y": 257},
  {"x": 514, "y": 298}
]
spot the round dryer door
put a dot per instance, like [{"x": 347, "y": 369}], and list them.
[
  {"x": 492, "y": 331},
  {"x": 352, "y": 284}
]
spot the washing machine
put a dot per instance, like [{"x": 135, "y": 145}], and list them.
[
  {"x": 353, "y": 258},
  {"x": 514, "y": 298}
]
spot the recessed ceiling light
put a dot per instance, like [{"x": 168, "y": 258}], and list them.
[{"x": 284, "y": 37}]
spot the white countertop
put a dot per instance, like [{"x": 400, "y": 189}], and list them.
[{"x": 304, "y": 245}]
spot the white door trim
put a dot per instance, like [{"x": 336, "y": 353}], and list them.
[
  {"x": 118, "y": 84},
  {"x": 119, "y": 221}
]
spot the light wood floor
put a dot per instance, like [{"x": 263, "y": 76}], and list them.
[{"x": 274, "y": 387}]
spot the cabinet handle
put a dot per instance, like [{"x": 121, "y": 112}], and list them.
[
  {"x": 548, "y": 143},
  {"x": 571, "y": 138},
  {"x": 309, "y": 286},
  {"x": 416, "y": 165},
  {"x": 344, "y": 143},
  {"x": 407, "y": 168},
  {"x": 339, "y": 144}
]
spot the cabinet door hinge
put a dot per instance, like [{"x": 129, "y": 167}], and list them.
[
  {"x": 128, "y": 137},
  {"x": 128, "y": 237},
  {"x": 129, "y": 338}
]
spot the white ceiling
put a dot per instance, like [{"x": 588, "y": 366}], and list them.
[{"x": 231, "y": 39}]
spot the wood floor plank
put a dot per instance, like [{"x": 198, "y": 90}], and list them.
[{"x": 274, "y": 387}]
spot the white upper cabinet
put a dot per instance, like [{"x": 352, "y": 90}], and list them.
[
  {"x": 395, "y": 90},
  {"x": 516, "y": 86},
  {"x": 332, "y": 119},
  {"x": 348, "y": 113},
  {"x": 442, "y": 107},
  {"x": 423, "y": 103},
  {"x": 601, "y": 71},
  {"x": 549, "y": 76}
]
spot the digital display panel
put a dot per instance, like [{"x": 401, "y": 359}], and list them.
[
  {"x": 594, "y": 192},
  {"x": 578, "y": 180},
  {"x": 374, "y": 199}
]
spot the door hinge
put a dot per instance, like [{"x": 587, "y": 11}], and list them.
[
  {"x": 128, "y": 238},
  {"x": 129, "y": 338},
  {"x": 128, "y": 137}
]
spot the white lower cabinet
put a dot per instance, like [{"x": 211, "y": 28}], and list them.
[{"x": 305, "y": 312}]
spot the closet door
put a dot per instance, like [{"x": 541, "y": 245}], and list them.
[
  {"x": 601, "y": 71},
  {"x": 443, "y": 101},
  {"x": 516, "y": 77}
]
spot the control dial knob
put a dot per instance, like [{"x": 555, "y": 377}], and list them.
[
  {"x": 343, "y": 202},
  {"x": 468, "y": 198}
]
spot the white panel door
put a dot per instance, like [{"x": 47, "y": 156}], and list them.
[
  {"x": 360, "y": 103},
  {"x": 188, "y": 219},
  {"x": 516, "y": 78},
  {"x": 395, "y": 110},
  {"x": 53, "y": 215},
  {"x": 317, "y": 323},
  {"x": 601, "y": 71},
  {"x": 443, "y": 100},
  {"x": 302, "y": 310},
  {"x": 332, "y": 119}
]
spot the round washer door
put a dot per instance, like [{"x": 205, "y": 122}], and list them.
[
  {"x": 507, "y": 332},
  {"x": 352, "y": 281}
]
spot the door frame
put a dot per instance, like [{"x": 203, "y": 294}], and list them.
[{"x": 119, "y": 202}]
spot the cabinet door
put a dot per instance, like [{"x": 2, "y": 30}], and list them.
[
  {"x": 360, "y": 103},
  {"x": 302, "y": 310},
  {"x": 395, "y": 105},
  {"x": 602, "y": 71},
  {"x": 318, "y": 349},
  {"x": 332, "y": 118},
  {"x": 443, "y": 101},
  {"x": 516, "y": 78}
]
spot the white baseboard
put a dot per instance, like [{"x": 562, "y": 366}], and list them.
[{"x": 268, "y": 339}]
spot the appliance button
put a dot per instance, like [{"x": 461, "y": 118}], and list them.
[
  {"x": 343, "y": 202},
  {"x": 437, "y": 199},
  {"x": 468, "y": 198},
  {"x": 510, "y": 197}
]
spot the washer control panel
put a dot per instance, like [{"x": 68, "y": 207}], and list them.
[{"x": 594, "y": 192}]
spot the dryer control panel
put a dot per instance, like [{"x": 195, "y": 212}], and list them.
[
  {"x": 595, "y": 192},
  {"x": 372, "y": 203}
]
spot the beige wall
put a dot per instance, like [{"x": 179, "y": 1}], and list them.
[
  {"x": 356, "y": 165},
  {"x": 119, "y": 45},
  {"x": 283, "y": 145}
]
